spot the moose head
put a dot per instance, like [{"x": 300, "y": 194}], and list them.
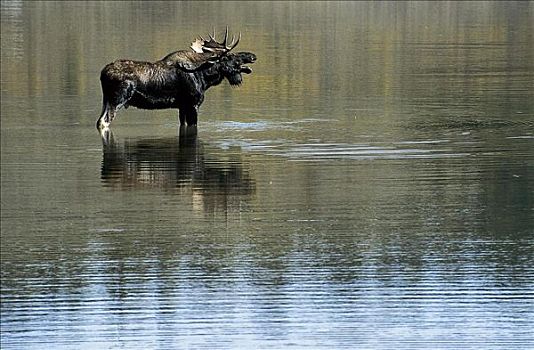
[{"x": 231, "y": 65}]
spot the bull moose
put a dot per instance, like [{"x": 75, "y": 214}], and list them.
[{"x": 179, "y": 80}]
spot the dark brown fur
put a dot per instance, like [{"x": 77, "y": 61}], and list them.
[{"x": 179, "y": 80}]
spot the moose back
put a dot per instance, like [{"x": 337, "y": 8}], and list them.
[{"x": 179, "y": 80}]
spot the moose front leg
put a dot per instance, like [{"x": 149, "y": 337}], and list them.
[
  {"x": 189, "y": 115},
  {"x": 181, "y": 115},
  {"x": 192, "y": 117}
]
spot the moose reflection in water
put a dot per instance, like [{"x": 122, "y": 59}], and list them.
[{"x": 177, "y": 165}]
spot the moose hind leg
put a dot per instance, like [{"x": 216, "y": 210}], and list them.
[
  {"x": 104, "y": 121},
  {"x": 114, "y": 99},
  {"x": 108, "y": 113},
  {"x": 121, "y": 97}
]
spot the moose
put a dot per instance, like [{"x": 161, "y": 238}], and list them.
[{"x": 179, "y": 80}]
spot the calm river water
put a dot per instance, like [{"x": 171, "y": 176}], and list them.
[{"x": 370, "y": 186}]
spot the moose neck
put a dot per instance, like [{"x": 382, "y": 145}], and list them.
[{"x": 211, "y": 76}]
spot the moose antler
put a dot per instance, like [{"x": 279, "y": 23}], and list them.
[{"x": 201, "y": 45}]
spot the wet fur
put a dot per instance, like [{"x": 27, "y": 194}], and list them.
[{"x": 164, "y": 84}]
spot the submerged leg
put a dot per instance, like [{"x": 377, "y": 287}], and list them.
[
  {"x": 107, "y": 116},
  {"x": 191, "y": 116},
  {"x": 108, "y": 140},
  {"x": 188, "y": 114},
  {"x": 115, "y": 97},
  {"x": 181, "y": 115}
]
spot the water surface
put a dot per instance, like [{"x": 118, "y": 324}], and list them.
[{"x": 371, "y": 184}]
